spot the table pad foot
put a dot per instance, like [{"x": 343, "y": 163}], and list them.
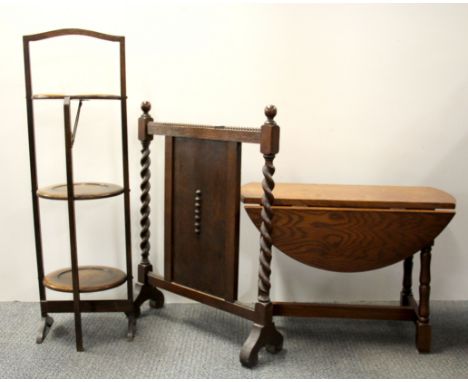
[{"x": 423, "y": 337}]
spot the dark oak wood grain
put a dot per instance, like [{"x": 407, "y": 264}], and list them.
[
  {"x": 352, "y": 240},
  {"x": 211, "y": 168}
]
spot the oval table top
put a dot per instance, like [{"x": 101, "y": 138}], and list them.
[{"x": 331, "y": 195}]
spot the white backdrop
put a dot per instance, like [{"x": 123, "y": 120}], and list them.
[{"x": 366, "y": 94}]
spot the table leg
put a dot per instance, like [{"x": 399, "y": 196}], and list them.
[
  {"x": 423, "y": 326},
  {"x": 406, "y": 292}
]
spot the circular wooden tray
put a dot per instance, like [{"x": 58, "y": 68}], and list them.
[
  {"x": 83, "y": 191},
  {"x": 93, "y": 278}
]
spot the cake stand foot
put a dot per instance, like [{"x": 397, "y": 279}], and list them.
[
  {"x": 46, "y": 323},
  {"x": 131, "y": 327}
]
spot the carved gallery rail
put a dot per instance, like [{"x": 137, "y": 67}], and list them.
[{"x": 338, "y": 228}]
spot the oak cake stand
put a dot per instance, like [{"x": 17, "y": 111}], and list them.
[{"x": 78, "y": 278}]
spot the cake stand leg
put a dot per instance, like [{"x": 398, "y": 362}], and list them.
[
  {"x": 131, "y": 326},
  {"x": 46, "y": 323}
]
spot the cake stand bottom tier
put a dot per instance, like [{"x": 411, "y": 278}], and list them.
[{"x": 92, "y": 278}]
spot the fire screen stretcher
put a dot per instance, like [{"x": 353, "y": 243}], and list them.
[{"x": 332, "y": 227}]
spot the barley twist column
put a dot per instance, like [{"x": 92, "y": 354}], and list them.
[
  {"x": 266, "y": 229},
  {"x": 147, "y": 292},
  {"x": 145, "y": 199},
  {"x": 145, "y": 186},
  {"x": 263, "y": 332}
]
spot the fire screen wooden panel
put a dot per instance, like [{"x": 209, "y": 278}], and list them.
[{"x": 202, "y": 217}]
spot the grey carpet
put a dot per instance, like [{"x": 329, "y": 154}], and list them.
[{"x": 195, "y": 341}]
